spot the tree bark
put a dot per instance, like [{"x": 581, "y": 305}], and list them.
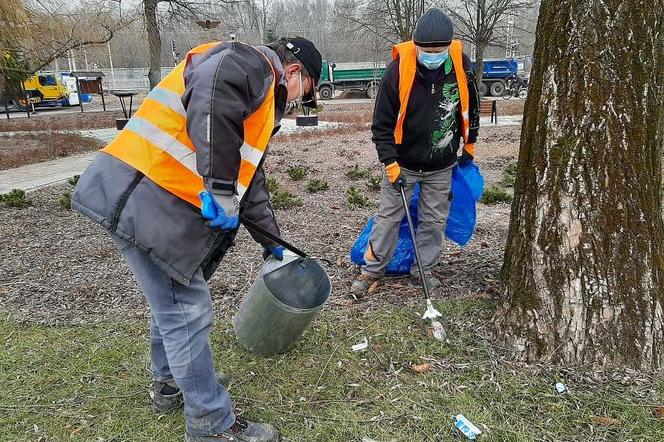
[
  {"x": 154, "y": 41},
  {"x": 582, "y": 277},
  {"x": 479, "y": 62}
]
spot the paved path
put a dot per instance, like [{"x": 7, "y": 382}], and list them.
[{"x": 34, "y": 176}]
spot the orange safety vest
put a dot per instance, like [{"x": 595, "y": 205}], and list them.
[
  {"x": 155, "y": 140},
  {"x": 407, "y": 53}
]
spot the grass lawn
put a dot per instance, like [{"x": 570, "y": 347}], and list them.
[{"x": 89, "y": 383}]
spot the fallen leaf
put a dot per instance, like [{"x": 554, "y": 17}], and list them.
[
  {"x": 605, "y": 421},
  {"x": 420, "y": 368},
  {"x": 373, "y": 287},
  {"x": 430, "y": 332},
  {"x": 340, "y": 261},
  {"x": 658, "y": 412},
  {"x": 456, "y": 252}
]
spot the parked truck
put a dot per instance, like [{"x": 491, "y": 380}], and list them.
[
  {"x": 43, "y": 88},
  {"x": 350, "y": 76},
  {"x": 496, "y": 73}
]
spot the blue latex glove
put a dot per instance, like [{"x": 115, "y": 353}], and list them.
[
  {"x": 277, "y": 252},
  {"x": 215, "y": 213}
]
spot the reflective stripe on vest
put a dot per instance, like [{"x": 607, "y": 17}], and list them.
[
  {"x": 155, "y": 140},
  {"x": 407, "y": 53}
]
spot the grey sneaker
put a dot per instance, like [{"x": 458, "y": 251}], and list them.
[
  {"x": 241, "y": 431},
  {"x": 362, "y": 284},
  {"x": 167, "y": 397},
  {"x": 432, "y": 281}
]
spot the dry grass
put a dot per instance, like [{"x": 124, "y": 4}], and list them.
[
  {"x": 25, "y": 148},
  {"x": 341, "y": 114},
  {"x": 317, "y": 133},
  {"x": 62, "y": 121},
  {"x": 512, "y": 106}
]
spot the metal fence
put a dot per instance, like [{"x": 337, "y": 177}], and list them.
[{"x": 130, "y": 79}]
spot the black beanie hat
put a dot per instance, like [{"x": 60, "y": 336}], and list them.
[{"x": 433, "y": 29}]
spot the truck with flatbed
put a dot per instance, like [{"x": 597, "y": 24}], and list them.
[{"x": 350, "y": 76}]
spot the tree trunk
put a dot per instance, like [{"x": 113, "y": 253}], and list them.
[
  {"x": 154, "y": 41},
  {"x": 582, "y": 276},
  {"x": 479, "y": 61}
]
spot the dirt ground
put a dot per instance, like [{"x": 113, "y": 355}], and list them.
[
  {"x": 30, "y": 148},
  {"x": 61, "y": 121},
  {"x": 60, "y": 267}
]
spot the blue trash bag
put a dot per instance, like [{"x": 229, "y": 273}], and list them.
[
  {"x": 467, "y": 188},
  {"x": 404, "y": 254}
]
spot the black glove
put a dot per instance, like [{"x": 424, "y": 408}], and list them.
[{"x": 464, "y": 158}]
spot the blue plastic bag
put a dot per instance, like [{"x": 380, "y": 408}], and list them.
[
  {"x": 404, "y": 254},
  {"x": 467, "y": 188}
]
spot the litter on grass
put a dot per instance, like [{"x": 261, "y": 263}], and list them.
[
  {"x": 360, "y": 346},
  {"x": 466, "y": 427}
]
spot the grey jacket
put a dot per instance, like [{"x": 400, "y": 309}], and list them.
[{"x": 223, "y": 86}]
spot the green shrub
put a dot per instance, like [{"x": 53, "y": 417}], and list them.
[
  {"x": 283, "y": 199},
  {"x": 272, "y": 185},
  {"x": 356, "y": 199},
  {"x": 65, "y": 201},
  {"x": 356, "y": 173},
  {"x": 15, "y": 198},
  {"x": 296, "y": 173},
  {"x": 373, "y": 183},
  {"x": 495, "y": 194},
  {"x": 73, "y": 180},
  {"x": 509, "y": 175},
  {"x": 316, "y": 185}
]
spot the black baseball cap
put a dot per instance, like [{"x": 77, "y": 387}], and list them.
[{"x": 306, "y": 52}]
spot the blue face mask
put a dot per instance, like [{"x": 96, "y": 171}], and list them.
[{"x": 432, "y": 60}]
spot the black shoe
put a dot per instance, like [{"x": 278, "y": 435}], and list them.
[
  {"x": 241, "y": 431},
  {"x": 167, "y": 396}
]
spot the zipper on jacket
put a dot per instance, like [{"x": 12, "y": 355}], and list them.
[
  {"x": 123, "y": 201},
  {"x": 214, "y": 88}
]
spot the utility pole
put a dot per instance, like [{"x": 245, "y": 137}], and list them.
[
  {"x": 110, "y": 61},
  {"x": 85, "y": 57}
]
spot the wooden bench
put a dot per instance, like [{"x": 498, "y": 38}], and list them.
[{"x": 488, "y": 108}]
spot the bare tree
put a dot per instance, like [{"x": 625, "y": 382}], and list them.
[
  {"x": 583, "y": 281},
  {"x": 182, "y": 9},
  {"x": 40, "y": 31},
  {"x": 391, "y": 20},
  {"x": 483, "y": 23}
]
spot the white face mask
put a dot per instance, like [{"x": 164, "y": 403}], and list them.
[{"x": 298, "y": 101}]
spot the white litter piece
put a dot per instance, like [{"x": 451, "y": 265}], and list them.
[
  {"x": 560, "y": 387},
  {"x": 360, "y": 346},
  {"x": 466, "y": 427}
]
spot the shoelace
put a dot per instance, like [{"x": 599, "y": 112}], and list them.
[{"x": 239, "y": 425}]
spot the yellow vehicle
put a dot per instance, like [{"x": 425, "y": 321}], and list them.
[{"x": 43, "y": 89}]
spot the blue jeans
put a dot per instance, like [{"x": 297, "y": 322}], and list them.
[{"x": 181, "y": 319}]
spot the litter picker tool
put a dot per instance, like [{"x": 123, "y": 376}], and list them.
[
  {"x": 274, "y": 238},
  {"x": 431, "y": 313}
]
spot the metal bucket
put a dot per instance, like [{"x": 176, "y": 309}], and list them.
[{"x": 282, "y": 301}]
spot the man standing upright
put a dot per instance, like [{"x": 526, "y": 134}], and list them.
[{"x": 427, "y": 103}]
